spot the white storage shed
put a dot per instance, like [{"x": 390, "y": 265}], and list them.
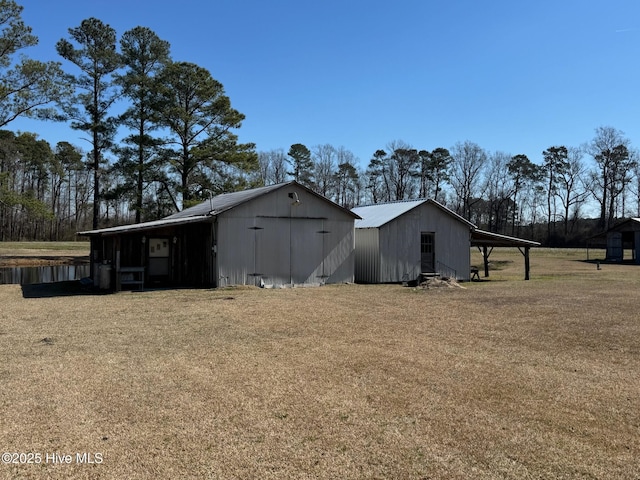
[{"x": 401, "y": 241}]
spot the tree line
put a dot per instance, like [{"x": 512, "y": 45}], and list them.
[
  {"x": 179, "y": 148},
  {"x": 498, "y": 191}
]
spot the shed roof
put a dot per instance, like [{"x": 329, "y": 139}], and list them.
[
  {"x": 629, "y": 225},
  {"x": 375, "y": 216}
]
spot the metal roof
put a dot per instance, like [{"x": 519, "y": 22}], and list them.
[
  {"x": 226, "y": 201},
  {"x": 483, "y": 238},
  {"x": 198, "y": 213},
  {"x": 140, "y": 227},
  {"x": 207, "y": 210},
  {"x": 629, "y": 225},
  {"x": 375, "y": 216}
]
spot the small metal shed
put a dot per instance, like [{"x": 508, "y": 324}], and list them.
[
  {"x": 401, "y": 241},
  {"x": 282, "y": 234},
  {"x": 621, "y": 237}
]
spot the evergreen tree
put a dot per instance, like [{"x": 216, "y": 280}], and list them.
[
  {"x": 201, "y": 147},
  {"x": 144, "y": 54},
  {"x": 97, "y": 59},
  {"x": 301, "y": 163},
  {"x": 27, "y": 87}
]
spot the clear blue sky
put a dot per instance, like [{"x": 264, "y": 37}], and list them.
[{"x": 511, "y": 76}]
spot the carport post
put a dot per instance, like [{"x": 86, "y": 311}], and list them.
[
  {"x": 485, "y": 257},
  {"x": 526, "y": 261}
]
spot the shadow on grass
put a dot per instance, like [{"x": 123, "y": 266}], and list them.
[
  {"x": 59, "y": 289},
  {"x": 597, "y": 262},
  {"x": 74, "y": 288}
]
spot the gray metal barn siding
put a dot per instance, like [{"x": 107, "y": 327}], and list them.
[
  {"x": 270, "y": 238},
  {"x": 367, "y": 268},
  {"x": 393, "y": 254},
  {"x": 251, "y": 236}
]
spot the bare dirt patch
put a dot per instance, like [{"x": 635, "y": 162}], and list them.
[{"x": 440, "y": 282}]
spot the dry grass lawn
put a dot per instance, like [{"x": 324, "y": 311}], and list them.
[{"x": 499, "y": 379}]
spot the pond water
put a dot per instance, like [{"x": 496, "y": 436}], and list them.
[{"x": 43, "y": 274}]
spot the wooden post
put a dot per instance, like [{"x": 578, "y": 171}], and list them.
[
  {"x": 526, "y": 261},
  {"x": 485, "y": 256},
  {"x": 93, "y": 261},
  {"x": 116, "y": 267}
]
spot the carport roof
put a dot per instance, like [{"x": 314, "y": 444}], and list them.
[{"x": 481, "y": 238}]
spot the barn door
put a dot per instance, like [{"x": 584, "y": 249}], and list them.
[
  {"x": 427, "y": 252},
  {"x": 289, "y": 251},
  {"x": 307, "y": 251},
  {"x": 272, "y": 252}
]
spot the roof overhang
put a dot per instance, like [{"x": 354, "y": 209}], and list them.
[
  {"x": 142, "y": 227},
  {"x": 482, "y": 238}
]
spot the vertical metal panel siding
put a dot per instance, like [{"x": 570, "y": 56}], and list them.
[
  {"x": 273, "y": 251},
  {"x": 236, "y": 251},
  {"x": 452, "y": 240},
  {"x": 367, "y": 255},
  {"x": 307, "y": 251},
  {"x": 282, "y": 241},
  {"x": 396, "y": 246},
  {"x": 400, "y": 248},
  {"x": 339, "y": 251}
]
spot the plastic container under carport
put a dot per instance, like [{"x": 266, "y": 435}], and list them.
[{"x": 105, "y": 276}]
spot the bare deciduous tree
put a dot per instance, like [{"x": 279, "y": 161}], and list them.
[
  {"x": 610, "y": 150},
  {"x": 324, "y": 158},
  {"x": 272, "y": 166},
  {"x": 571, "y": 186},
  {"x": 469, "y": 161}
]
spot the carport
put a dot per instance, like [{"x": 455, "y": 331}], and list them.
[{"x": 487, "y": 241}]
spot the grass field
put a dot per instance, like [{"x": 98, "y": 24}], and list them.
[
  {"x": 42, "y": 253},
  {"x": 499, "y": 379}
]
